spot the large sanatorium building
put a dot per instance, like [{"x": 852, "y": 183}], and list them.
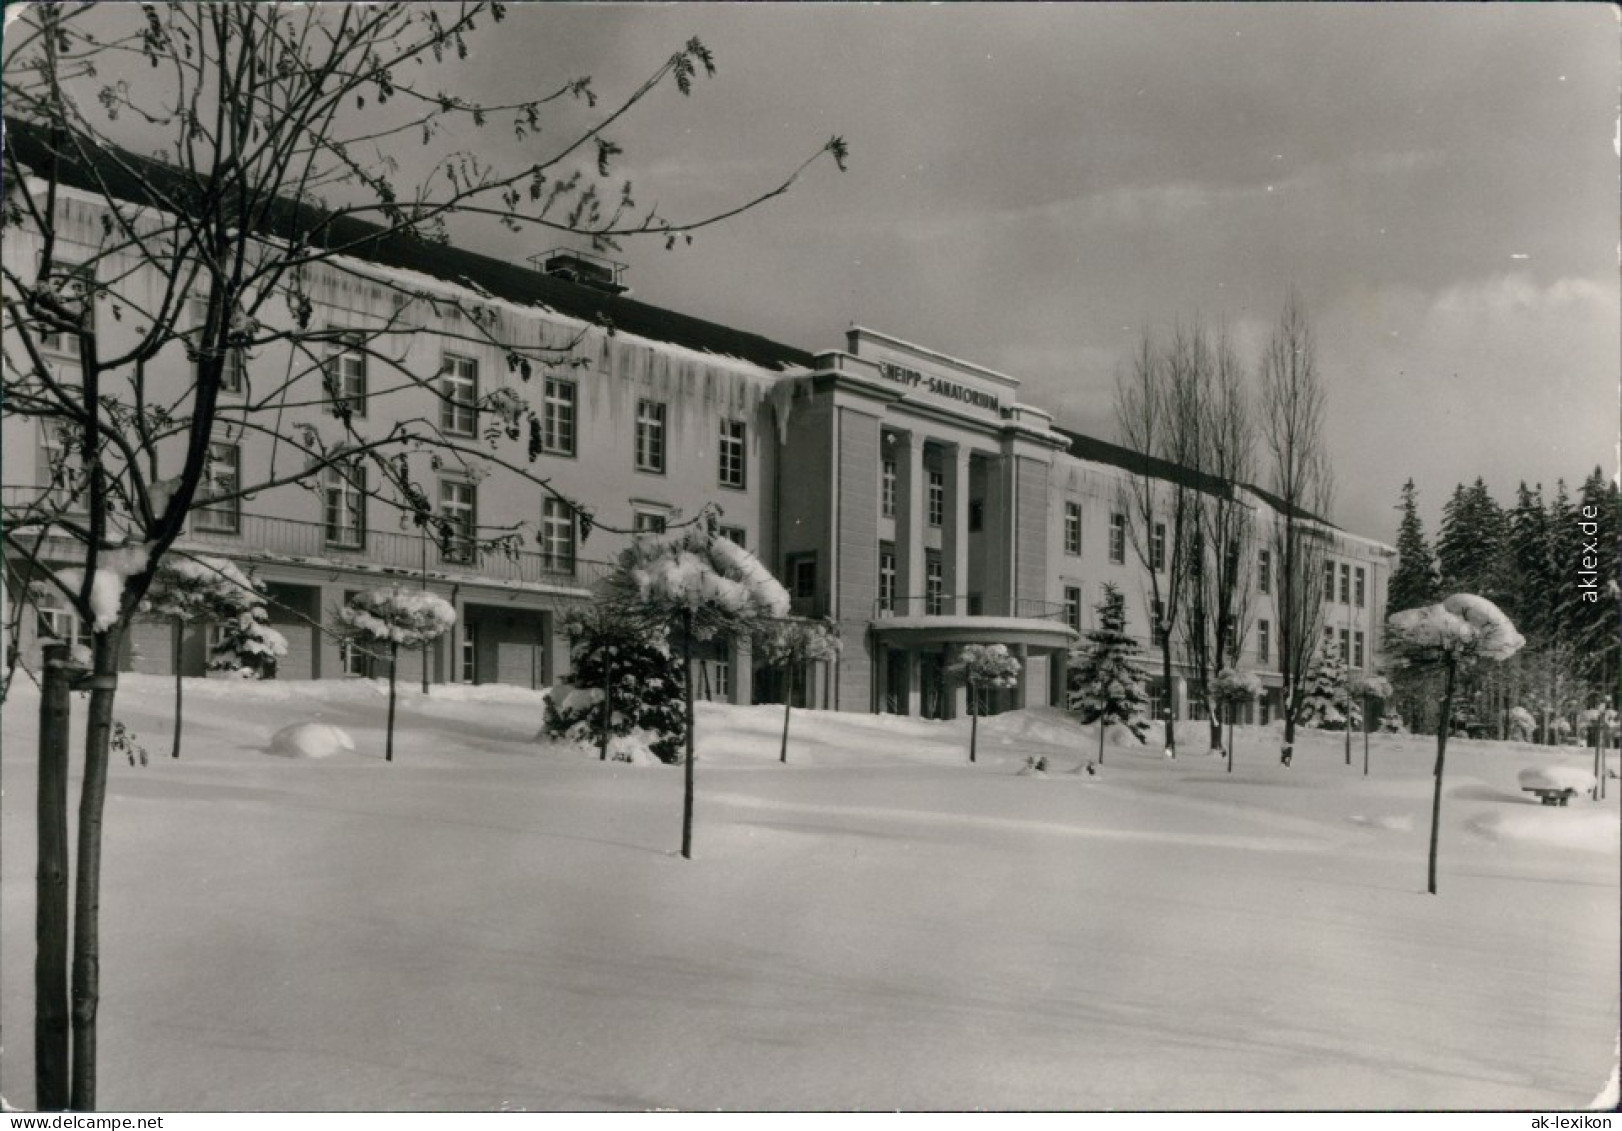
[{"x": 908, "y": 495}]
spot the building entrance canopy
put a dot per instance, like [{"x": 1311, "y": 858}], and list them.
[{"x": 1032, "y": 632}]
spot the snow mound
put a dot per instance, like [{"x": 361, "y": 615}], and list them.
[
  {"x": 310, "y": 740},
  {"x": 1556, "y": 777},
  {"x": 1593, "y": 830},
  {"x": 1394, "y": 824}
]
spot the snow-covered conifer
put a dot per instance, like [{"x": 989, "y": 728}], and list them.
[
  {"x": 1324, "y": 700},
  {"x": 1105, "y": 685},
  {"x": 622, "y": 680}
]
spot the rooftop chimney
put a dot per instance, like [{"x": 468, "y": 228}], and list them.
[{"x": 592, "y": 271}]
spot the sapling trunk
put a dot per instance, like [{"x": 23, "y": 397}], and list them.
[
  {"x": 87, "y": 888},
  {"x": 1101, "y": 725},
  {"x": 1365, "y": 736},
  {"x": 394, "y": 663},
  {"x": 688, "y": 784},
  {"x": 974, "y": 724},
  {"x": 1441, "y": 755},
  {"x": 608, "y": 708},
  {"x": 788, "y": 705},
  {"x": 52, "y": 1076},
  {"x": 1230, "y": 738},
  {"x": 180, "y": 634}
]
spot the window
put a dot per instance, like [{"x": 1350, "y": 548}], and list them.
[
  {"x": 887, "y": 576},
  {"x": 975, "y": 605},
  {"x": 459, "y": 388},
  {"x": 60, "y": 474},
  {"x": 887, "y": 489},
  {"x": 802, "y": 576},
  {"x": 557, "y": 535},
  {"x": 77, "y": 284},
  {"x": 458, "y": 504},
  {"x": 557, "y": 417},
  {"x": 343, "y": 495},
  {"x": 55, "y": 619},
  {"x": 354, "y": 659},
  {"x": 934, "y": 586},
  {"x": 345, "y": 376},
  {"x": 734, "y": 534},
  {"x": 1159, "y": 630},
  {"x": 937, "y": 498},
  {"x": 648, "y": 522},
  {"x": 650, "y": 436},
  {"x": 720, "y": 678},
  {"x": 1117, "y": 538},
  {"x": 1357, "y": 650},
  {"x": 1157, "y": 549},
  {"x": 732, "y": 447},
  {"x": 1264, "y": 709},
  {"x": 1359, "y": 588},
  {"x": 1072, "y": 607},
  {"x": 1264, "y": 641},
  {"x": 222, "y": 472},
  {"x": 1345, "y": 646},
  {"x": 1329, "y": 581},
  {"x": 1264, "y": 572},
  {"x": 1072, "y": 529},
  {"x": 233, "y": 374},
  {"x": 1345, "y": 584},
  {"x": 977, "y": 515},
  {"x": 470, "y": 655}
]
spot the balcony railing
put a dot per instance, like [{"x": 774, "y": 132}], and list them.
[
  {"x": 962, "y": 605},
  {"x": 388, "y": 551},
  {"x": 398, "y": 552}
]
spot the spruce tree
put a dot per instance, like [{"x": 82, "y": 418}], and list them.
[
  {"x": 1105, "y": 686},
  {"x": 1324, "y": 700},
  {"x": 1413, "y": 582},
  {"x": 623, "y": 679}
]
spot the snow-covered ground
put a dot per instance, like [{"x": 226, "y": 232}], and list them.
[{"x": 489, "y": 922}]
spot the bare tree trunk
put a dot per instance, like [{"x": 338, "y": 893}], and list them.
[
  {"x": 1230, "y": 737},
  {"x": 788, "y": 705},
  {"x": 52, "y": 1075},
  {"x": 1365, "y": 736},
  {"x": 1441, "y": 754},
  {"x": 608, "y": 706},
  {"x": 974, "y": 723},
  {"x": 1171, "y": 705},
  {"x": 180, "y": 640},
  {"x": 688, "y": 783},
  {"x": 103, "y": 686},
  {"x": 394, "y": 664}
]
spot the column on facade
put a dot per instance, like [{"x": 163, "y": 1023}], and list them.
[
  {"x": 1059, "y": 678},
  {"x": 1022, "y": 653},
  {"x": 955, "y": 528},
  {"x": 908, "y": 452},
  {"x": 457, "y": 637},
  {"x": 914, "y": 689},
  {"x": 743, "y": 670}
]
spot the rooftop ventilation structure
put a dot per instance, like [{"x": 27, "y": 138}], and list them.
[{"x": 588, "y": 270}]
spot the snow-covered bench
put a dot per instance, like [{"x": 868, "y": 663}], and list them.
[{"x": 1555, "y": 785}]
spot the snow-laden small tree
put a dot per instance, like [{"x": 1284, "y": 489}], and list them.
[
  {"x": 1235, "y": 688},
  {"x": 622, "y": 680},
  {"x": 981, "y": 666},
  {"x": 1366, "y": 686},
  {"x": 1105, "y": 686},
  {"x": 1323, "y": 695},
  {"x": 1457, "y": 633},
  {"x": 789, "y": 646},
  {"x": 396, "y": 618},
  {"x": 200, "y": 590},
  {"x": 1521, "y": 724},
  {"x": 698, "y": 586}
]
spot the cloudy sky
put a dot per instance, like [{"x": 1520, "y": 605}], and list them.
[{"x": 1032, "y": 186}]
